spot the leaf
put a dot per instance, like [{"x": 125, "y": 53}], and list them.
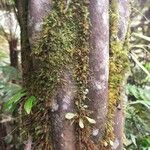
[
  {"x": 90, "y": 120},
  {"x": 13, "y": 100},
  {"x": 81, "y": 124},
  {"x": 145, "y": 142},
  {"x": 147, "y": 38},
  {"x": 29, "y": 104},
  {"x": 70, "y": 116},
  {"x": 134, "y": 57},
  {"x": 142, "y": 47},
  {"x": 138, "y": 92},
  {"x": 85, "y": 106},
  {"x": 10, "y": 73},
  {"x": 133, "y": 138},
  {"x": 145, "y": 103}
]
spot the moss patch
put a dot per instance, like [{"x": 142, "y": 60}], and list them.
[
  {"x": 118, "y": 66},
  {"x": 62, "y": 45}
]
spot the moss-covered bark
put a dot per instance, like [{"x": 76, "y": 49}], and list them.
[
  {"x": 60, "y": 67},
  {"x": 65, "y": 57},
  {"x": 119, "y": 21}
]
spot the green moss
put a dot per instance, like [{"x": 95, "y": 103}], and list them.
[
  {"x": 118, "y": 66},
  {"x": 63, "y": 45}
]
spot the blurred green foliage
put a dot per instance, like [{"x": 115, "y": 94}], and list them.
[
  {"x": 137, "y": 125},
  {"x": 9, "y": 79},
  {"x": 138, "y": 118}
]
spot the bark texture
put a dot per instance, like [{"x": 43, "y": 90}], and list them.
[
  {"x": 63, "y": 132},
  {"x": 26, "y": 59},
  {"x": 99, "y": 65},
  {"x": 124, "y": 14},
  {"x": 3, "y": 133},
  {"x": 13, "y": 53},
  {"x": 62, "y": 41},
  {"x": 63, "y": 135},
  {"x": 37, "y": 11}
]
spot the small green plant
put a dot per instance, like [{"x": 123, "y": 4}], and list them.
[
  {"x": 29, "y": 103},
  {"x": 81, "y": 119},
  {"x": 142, "y": 96},
  {"x": 137, "y": 118},
  {"x": 12, "y": 103}
]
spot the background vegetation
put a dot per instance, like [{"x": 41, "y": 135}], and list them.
[{"x": 138, "y": 87}]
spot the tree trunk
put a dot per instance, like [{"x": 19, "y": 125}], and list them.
[
  {"x": 2, "y": 136},
  {"x": 63, "y": 132},
  {"x": 26, "y": 59},
  {"x": 63, "y": 136},
  {"x": 65, "y": 54},
  {"x": 120, "y": 11},
  {"x": 13, "y": 53},
  {"x": 124, "y": 14},
  {"x": 99, "y": 65}
]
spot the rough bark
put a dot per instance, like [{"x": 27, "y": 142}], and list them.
[
  {"x": 26, "y": 59},
  {"x": 99, "y": 65},
  {"x": 124, "y": 13},
  {"x": 63, "y": 137},
  {"x": 13, "y": 53},
  {"x": 63, "y": 132},
  {"x": 2, "y": 136},
  {"x": 37, "y": 11}
]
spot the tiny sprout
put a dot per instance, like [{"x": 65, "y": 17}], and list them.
[
  {"x": 77, "y": 103},
  {"x": 70, "y": 116},
  {"x": 86, "y": 91},
  {"x": 84, "y": 97},
  {"x": 90, "y": 120},
  {"x": 81, "y": 124},
  {"x": 85, "y": 106}
]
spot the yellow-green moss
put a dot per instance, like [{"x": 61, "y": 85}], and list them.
[
  {"x": 118, "y": 66},
  {"x": 62, "y": 45}
]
